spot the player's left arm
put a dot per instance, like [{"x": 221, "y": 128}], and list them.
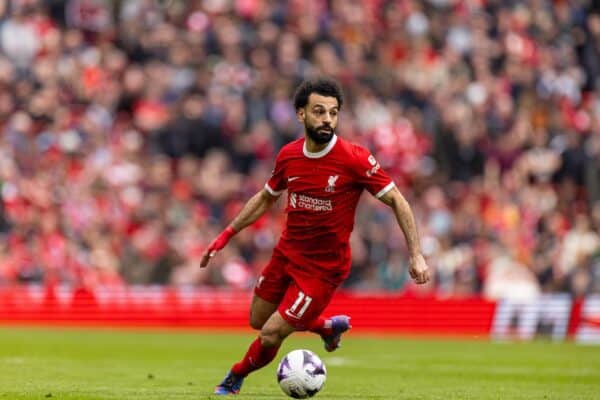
[{"x": 418, "y": 268}]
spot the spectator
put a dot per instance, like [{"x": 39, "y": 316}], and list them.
[{"x": 131, "y": 131}]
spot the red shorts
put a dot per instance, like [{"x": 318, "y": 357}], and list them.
[{"x": 301, "y": 297}]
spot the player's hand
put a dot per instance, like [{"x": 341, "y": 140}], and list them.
[
  {"x": 216, "y": 245},
  {"x": 418, "y": 269}
]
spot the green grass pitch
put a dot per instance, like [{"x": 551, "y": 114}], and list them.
[{"x": 42, "y": 363}]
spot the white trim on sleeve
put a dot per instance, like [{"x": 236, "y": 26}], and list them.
[
  {"x": 273, "y": 192},
  {"x": 386, "y": 189}
]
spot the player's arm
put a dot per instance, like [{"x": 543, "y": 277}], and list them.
[
  {"x": 417, "y": 266},
  {"x": 252, "y": 210}
]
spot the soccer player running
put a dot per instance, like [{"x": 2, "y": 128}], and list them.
[{"x": 324, "y": 176}]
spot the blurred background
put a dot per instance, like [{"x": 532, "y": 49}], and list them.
[{"x": 133, "y": 132}]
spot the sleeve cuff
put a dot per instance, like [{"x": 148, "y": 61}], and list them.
[
  {"x": 271, "y": 191},
  {"x": 386, "y": 189}
]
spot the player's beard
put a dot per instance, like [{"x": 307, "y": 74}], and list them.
[{"x": 318, "y": 135}]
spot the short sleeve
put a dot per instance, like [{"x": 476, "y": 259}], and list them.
[
  {"x": 277, "y": 183},
  {"x": 370, "y": 174}
]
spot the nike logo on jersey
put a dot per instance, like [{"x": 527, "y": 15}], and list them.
[
  {"x": 289, "y": 314},
  {"x": 293, "y": 178}
]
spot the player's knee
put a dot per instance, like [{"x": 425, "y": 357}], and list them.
[{"x": 270, "y": 338}]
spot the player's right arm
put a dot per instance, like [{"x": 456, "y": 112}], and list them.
[{"x": 252, "y": 210}]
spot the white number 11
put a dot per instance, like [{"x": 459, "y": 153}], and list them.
[{"x": 302, "y": 302}]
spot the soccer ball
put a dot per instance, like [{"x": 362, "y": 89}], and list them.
[{"x": 301, "y": 374}]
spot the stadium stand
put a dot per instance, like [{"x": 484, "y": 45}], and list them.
[{"x": 132, "y": 132}]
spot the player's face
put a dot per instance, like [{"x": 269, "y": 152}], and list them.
[{"x": 320, "y": 117}]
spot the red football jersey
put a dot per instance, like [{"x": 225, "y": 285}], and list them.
[{"x": 323, "y": 191}]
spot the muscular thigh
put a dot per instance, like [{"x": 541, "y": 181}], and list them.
[
  {"x": 260, "y": 311},
  {"x": 270, "y": 289}
]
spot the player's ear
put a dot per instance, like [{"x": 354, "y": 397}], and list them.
[{"x": 301, "y": 115}]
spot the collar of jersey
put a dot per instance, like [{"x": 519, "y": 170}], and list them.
[{"x": 321, "y": 153}]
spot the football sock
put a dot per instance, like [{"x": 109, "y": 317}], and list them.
[
  {"x": 256, "y": 357},
  {"x": 321, "y": 325}
]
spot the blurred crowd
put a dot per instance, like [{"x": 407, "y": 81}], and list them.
[{"x": 133, "y": 131}]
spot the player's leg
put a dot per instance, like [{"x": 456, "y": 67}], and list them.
[
  {"x": 264, "y": 348},
  {"x": 306, "y": 309},
  {"x": 319, "y": 293},
  {"x": 295, "y": 311},
  {"x": 260, "y": 311},
  {"x": 298, "y": 308},
  {"x": 331, "y": 330},
  {"x": 260, "y": 353},
  {"x": 268, "y": 293}
]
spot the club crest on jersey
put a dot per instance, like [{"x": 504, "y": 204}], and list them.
[{"x": 331, "y": 183}]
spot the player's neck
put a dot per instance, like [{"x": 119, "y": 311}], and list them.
[{"x": 313, "y": 146}]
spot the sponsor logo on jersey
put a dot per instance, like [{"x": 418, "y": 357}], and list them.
[
  {"x": 331, "y": 183},
  {"x": 309, "y": 203}
]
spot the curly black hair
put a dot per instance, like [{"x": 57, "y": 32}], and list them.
[{"x": 321, "y": 85}]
